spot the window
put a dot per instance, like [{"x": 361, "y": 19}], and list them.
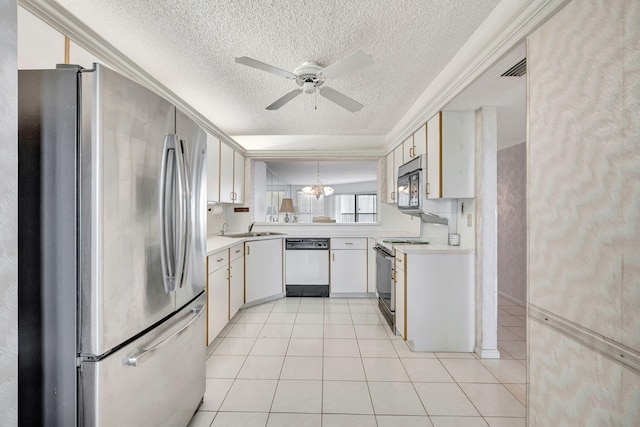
[
  {"x": 356, "y": 208},
  {"x": 353, "y": 201}
]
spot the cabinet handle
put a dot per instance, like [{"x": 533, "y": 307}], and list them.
[
  {"x": 348, "y": 243},
  {"x": 248, "y": 250},
  {"x": 220, "y": 260},
  {"x": 237, "y": 251},
  {"x": 411, "y": 151},
  {"x": 427, "y": 188},
  {"x": 333, "y": 257}
]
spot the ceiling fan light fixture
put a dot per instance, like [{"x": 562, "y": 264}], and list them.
[
  {"x": 309, "y": 87},
  {"x": 317, "y": 189}
]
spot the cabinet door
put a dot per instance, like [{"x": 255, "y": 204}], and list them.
[
  {"x": 420, "y": 141},
  {"x": 217, "y": 303},
  {"x": 398, "y": 160},
  {"x": 391, "y": 181},
  {"x": 236, "y": 286},
  {"x": 401, "y": 298},
  {"x": 213, "y": 169},
  {"x": 226, "y": 173},
  {"x": 238, "y": 178},
  {"x": 348, "y": 271},
  {"x": 458, "y": 151},
  {"x": 408, "y": 149},
  {"x": 263, "y": 272},
  {"x": 434, "y": 157}
]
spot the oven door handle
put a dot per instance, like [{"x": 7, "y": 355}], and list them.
[{"x": 383, "y": 253}]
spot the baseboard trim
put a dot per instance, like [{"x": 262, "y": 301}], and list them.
[
  {"x": 352, "y": 295},
  {"x": 263, "y": 300},
  {"x": 612, "y": 350},
  {"x": 512, "y": 299},
  {"x": 487, "y": 353}
]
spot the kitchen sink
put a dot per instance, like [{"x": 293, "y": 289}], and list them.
[{"x": 254, "y": 234}]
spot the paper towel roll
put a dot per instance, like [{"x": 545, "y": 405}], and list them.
[{"x": 214, "y": 208}]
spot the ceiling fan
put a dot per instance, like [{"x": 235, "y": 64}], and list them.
[{"x": 311, "y": 77}]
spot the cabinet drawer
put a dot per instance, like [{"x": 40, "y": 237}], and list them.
[
  {"x": 236, "y": 252},
  {"x": 218, "y": 260},
  {"x": 358, "y": 243}
]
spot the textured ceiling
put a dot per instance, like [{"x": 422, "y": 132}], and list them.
[{"x": 190, "y": 46}]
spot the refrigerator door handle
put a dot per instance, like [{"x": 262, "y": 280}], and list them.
[
  {"x": 172, "y": 228},
  {"x": 186, "y": 201},
  {"x": 139, "y": 357}
]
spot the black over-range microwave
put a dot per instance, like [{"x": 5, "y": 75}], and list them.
[{"x": 412, "y": 185}]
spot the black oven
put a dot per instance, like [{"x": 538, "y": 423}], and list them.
[{"x": 385, "y": 285}]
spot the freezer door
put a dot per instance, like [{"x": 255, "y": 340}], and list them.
[
  {"x": 157, "y": 380},
  {"x": 123, "y": 128},
  {"x": 193, "y": 141}
]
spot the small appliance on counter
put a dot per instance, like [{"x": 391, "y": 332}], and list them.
[{"x": 454, "y": 239}]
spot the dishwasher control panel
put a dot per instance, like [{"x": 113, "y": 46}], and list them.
[{"x": 307, "y": 244}]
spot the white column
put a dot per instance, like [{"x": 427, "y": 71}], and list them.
[
  {"x": 8, "y": 214},
  {"x": 486, "y": 233}
]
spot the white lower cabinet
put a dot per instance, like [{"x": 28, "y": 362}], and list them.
[
  {"x": 400, "y": 283},
  {"x": 435, "y": 300},
  {"x": 217, "y": 294},
  {"x": 236, "y": 279},
  {"x": 348, "y": 266},
  {"x": 263, "y": 269}
]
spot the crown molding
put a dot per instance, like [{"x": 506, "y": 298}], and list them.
[
  {"x": 66, "y": 23},
  {"x": 505, "y": 27},
  {"x": 316, "y": 154}
]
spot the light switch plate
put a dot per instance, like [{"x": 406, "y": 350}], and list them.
[{"x": 469, "y": 220}]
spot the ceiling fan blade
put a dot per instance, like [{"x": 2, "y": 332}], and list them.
[
  {"x": 341, "y": 99},
  {"x": 354, "y": 62},
  {"x": 286, "y": 98},
  {"x": 245, "y": 60}
]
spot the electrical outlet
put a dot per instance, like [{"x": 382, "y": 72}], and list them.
[{"x": 469, "y": 220}]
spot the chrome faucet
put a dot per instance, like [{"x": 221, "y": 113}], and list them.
[
  {"x": 251, "y": 226},
  {"x": 224, "y": 229}
]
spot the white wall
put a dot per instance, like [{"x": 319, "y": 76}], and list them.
[
  {"x": 512, "y": 250},
  {"x": 8, "y": 215},
  {"x": 42, "y": 47},
  {"x": 583, "y": 200}
]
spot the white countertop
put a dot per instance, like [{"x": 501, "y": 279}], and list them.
[{"x": 216, "y": 243}]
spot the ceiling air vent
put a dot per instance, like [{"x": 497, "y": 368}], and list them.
[{"x": 518, "y": 70}]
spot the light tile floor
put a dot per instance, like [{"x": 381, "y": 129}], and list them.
[{"x": 311, "y": 362}]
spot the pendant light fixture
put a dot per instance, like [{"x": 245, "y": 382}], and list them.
[{"x": 317, "y": 189}]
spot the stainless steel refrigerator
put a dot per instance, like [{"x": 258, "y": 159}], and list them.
[{"x": 112, "y": 270}]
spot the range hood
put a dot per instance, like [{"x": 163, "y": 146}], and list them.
[{"x": 429, "y": 217}]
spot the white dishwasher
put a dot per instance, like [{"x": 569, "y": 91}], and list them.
[{"x": 307, "y": 267}]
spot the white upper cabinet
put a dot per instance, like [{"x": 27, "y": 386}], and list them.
[
  {"x": 450, "y": 155},
  {"x": 238, "y": 178},
  {"x": 398, "y": 160},
  {"x": 213, "y": 169},
  {"x": 391, "y": 182},
  {"x": 420, "y": 141},
  {"x": 226, "y": 174},
  {"x": 408, "y": 149},
  {"x": 231, "y": 175}
]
